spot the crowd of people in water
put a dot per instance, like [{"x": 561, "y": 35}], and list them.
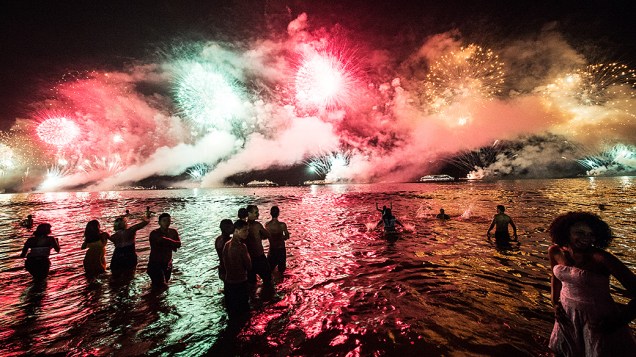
[{"x": 588, "y": 322}]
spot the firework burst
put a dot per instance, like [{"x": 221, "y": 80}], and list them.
[
  {"x": 324, "y": 81},
  {"x": 57, "y": 131},
  {"x": 198, "y": 171},
  {"x": 326, "y": 163},
  {"x": 596, "y": 84},
  {"x": 471, "y": 71},
  {"x": 619, "y": 159},
  {"x": 207, "y": 97}
]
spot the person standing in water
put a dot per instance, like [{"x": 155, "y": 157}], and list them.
[
  {"x": 257, "y": 233},
  {"x": 442, "y": 215},
  {"x": 125, "y": 255},
  {"x": 95, "y": 240},
  {"x": 227, "y": 228},
  {"x": 163, "y": 241},
  {"x": 277, "y": 255},
  {"x": 389, "y": 221},
  {"x": 237, "y": 262},
  {"x": 39, "y": 248},
  {"x": 501, "y": 221}
]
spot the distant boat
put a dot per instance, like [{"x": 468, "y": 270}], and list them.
[
  {"x": 265, "y": 183},
  {"x": 437, "y": 178}
]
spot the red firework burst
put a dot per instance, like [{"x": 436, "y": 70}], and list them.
[
  {"x": 323, "y": 81},
  {"x": 57, "y": 131}
]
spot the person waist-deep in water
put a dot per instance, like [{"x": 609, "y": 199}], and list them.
[
  {"x": 37, "y": 250},
  {"x": 277, "y": 255},
  {"x": 500, "y": 222},
  {"x": 256, "y": 234},
  {"x": 237, "y": 263},
  {"x": 124, "y": 255},
  {"x": 163, "y": 241},
  {"x": 95, "y": 241}
]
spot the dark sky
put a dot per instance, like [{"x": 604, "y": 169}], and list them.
[{"x": 43, "y": 39}]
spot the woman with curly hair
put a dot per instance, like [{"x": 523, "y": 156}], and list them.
[{"x": 588, "y": 321}]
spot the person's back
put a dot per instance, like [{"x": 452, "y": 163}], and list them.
[
  {"x": 39, "y": 248},
  {"x": 278, "y": 232},
  {"x": 500, "y": 222},
  {"x": 125, "y": 256}
]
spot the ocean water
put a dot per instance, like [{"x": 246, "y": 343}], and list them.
[{"x": 440, "y": 288}]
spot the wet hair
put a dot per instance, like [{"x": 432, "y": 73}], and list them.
[
  {"x": 242, "y": 213},
  {"x": 43, "y": 229},
  {"x": 119, "y": 223},
  {"x": 240, "y": 224},
  {"x": 251, "y": 208},
  {"x": 92, "y": 232},
  {"x": 274, "y": 211},
  {"x": 226, "y": 224},
  {"x": 560, "y": 228},
  {"x": 501, "y": 208},
  {"x": 163, "y": 215}
]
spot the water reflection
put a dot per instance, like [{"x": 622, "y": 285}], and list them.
[{"x": 438, "y": 289}]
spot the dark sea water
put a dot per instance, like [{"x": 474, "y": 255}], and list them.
[{"x": 440, "y": 289}]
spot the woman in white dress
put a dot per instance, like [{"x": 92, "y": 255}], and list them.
[{"x": 588, "y": 321}]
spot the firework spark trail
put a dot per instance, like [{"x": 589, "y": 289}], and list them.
[
  {"x": 472, "y": 71},
  {"x": 328, "y": 164},
  {"x": 324, "y": 81},
  {"x": 274, "y": 102},
  {"x": 207, "y": 97},
  {"x": 619, "y": 159}
]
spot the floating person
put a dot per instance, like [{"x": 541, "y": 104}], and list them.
[
  {"x": 242, "y": 214},
  {"x": 39, "y": 248},
  {"x": 227, "y": 228},
  {"x": 587, "y": 320},
  {"x": 124, "y": 257},
  {"x": 257, "y": 233},
  {"x": 237, "y": 263},
  {"x": 277, "y": 255},
  {"x": 501, "y": 222},
  {"x": 149, "y": 212},
  {"x": 28, "y": 222},
  {"x": 127, "y": 213},
  {"x": 163, "y": 241},
  {"x": 443, "y": 216},
  {"x": 389, "y": 221},
  {"x": 95, "y": 240}
]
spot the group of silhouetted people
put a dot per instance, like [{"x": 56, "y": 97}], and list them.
[
  {"x": 163, "y": 241},
  {"x": 587, "y": 320},
  {"x": 242, "y": 255}
]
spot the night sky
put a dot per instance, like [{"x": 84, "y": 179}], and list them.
[{"x": 41, "y": 40}]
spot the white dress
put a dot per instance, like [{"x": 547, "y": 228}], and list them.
[{"x": 586, "y": 298}]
